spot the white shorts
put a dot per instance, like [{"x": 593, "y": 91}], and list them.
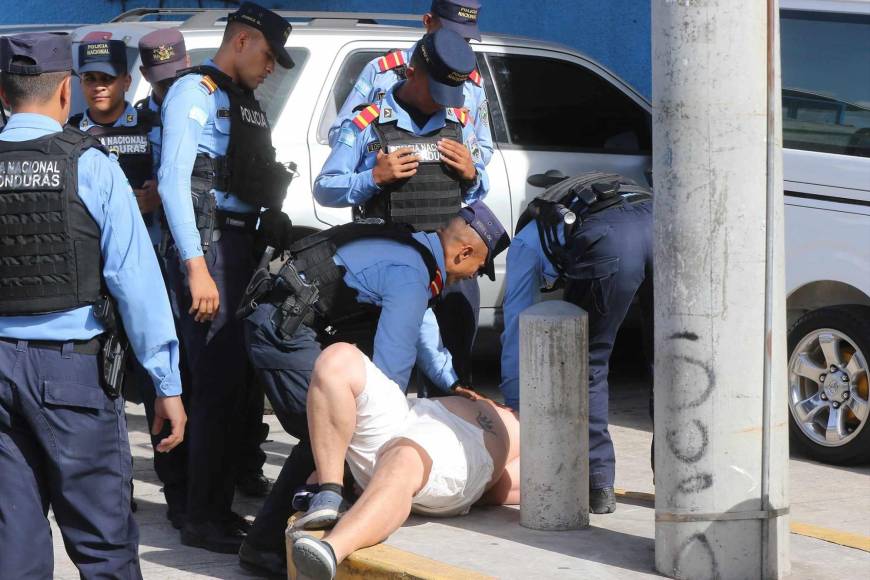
[{"x": 461, "y": 465}]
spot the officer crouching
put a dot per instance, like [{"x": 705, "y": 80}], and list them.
[{"x": 66, "y": 213}]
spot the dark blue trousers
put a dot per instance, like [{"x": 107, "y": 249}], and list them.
[
  {"x": 63, "y": 444},
  {"x": 614, "y": 251},
  {"x": 283, "y": 367},
  {"x": 216, "y": 361}
]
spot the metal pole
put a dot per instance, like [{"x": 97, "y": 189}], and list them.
[
  {"x": 554, "y": 417},
  {"x": 721, "y": 441}
]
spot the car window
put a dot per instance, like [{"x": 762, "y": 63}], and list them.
[
  {"x": 826, "y": 82},
  {"x": 350, "y": 70},
  {"x": 555, "y": 104},
  {"x": 276, "y": 89}
]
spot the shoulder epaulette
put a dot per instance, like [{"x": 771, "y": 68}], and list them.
[
  {"x": 366, "y": 116},
  {"x": 208, "y": 83},
  {"x": 392, "y": 60},
  {"x": 476, "y": 78},
  {"x": 461, "y": 115}
]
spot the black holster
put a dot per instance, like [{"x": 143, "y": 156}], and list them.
[
  {"x": 298, "y": 307},
  {"x": 205, "y": 210},
  {"x": 115, "y": 347}
]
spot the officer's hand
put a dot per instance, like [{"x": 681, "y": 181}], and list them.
[
  {"x": 147, "y": 197},
  {"x": 169, "y": 409},
  {"x": 400, "y": 164},
  {"x": 468, "y": 393},
  {"x": 457, "y": 157},
  {"x": 205, "y": 297}
]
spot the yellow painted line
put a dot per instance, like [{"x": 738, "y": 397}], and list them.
[
  {"x": 382, "y": 562},
  {"x": 847, "y": 539}
]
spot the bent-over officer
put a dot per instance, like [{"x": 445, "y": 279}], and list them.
[
  {"x": 217, "y": 171},
  {"x": 597, "y": 241},
  {"x": 373, "y": 285},
  {"x": 458, "y": 310},
  {"x": 411, "y": 158},
  {"x": 74, "y": 243}
]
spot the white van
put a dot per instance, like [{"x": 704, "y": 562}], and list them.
[{"x": 826, "y": 138}]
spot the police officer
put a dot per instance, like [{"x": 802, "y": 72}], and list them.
[
  {"x": 374, "y": 283},
  {"x": 163, "y": 55},
  {"x": 412, "y": 158},
  {"x": 593, "y": 233},
  {"x": 457, "y": 312},
  {"x": 63, "y": 439},
  {"x": 217, "y": 171},
  {"x": 379, "y": 74},
  {"x": 122, "y": 128}
]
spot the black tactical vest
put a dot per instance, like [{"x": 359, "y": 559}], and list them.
[
  {"x": 249, "y": 170},
  {"x": 49, "y": 243},
  {"x": 431, "y": 197},
  {"x": 333, "y": 306},
  {"x": 130, "y": 144}
]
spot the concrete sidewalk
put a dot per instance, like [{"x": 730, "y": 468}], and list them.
[{"x": 492, "y": 542}]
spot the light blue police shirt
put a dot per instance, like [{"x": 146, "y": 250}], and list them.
[
  {"x": 130, "y": 267},
  {"x": 394, "y": 277},
  {"x": 528, "y": 271},
  {"x": 191, "y": 125},
  {"x": 129, "y": 118}
]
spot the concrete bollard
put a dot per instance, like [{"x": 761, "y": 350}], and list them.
[{"x": 554, "y": 417}]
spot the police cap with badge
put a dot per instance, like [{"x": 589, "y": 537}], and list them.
[
  {"x": 163, "y": 54},
  {"x": 460, "y": 16},
  {"x": 103, "y": 55},
  {"x": 274, "y": 28}
]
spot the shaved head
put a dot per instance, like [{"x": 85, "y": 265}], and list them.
[{"x": 464, "y": 250}]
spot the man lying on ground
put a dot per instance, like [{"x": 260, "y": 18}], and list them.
[{"x": 434, "y": 457}]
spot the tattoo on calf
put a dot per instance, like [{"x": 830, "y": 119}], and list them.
[{"x": 485, "y": 423}]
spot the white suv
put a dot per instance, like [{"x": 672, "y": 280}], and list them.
[
  {"x": 826, "y": 140},
  {"x": 552, "y": 108}
]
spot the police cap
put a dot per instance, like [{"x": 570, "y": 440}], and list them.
[
  {"x": 35, "y": 53},
  {"x": 448, "y": 61},
  {"x": 460, "y": 16},
  {"x": 481, "y": 219},
  {"x": 105, "y": 56},
  {"x": 163, "y": 54},
  {"x": 274, "y": 28}
]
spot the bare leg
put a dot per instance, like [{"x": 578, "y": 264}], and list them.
[
  {"x": 402, "y": 470},
  {"x": 339, "y": 377}
]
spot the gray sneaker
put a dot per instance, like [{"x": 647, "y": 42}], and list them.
[
  {"x": 314, "y": 559},
  {"x": 323, "y": 511},
  {"x": 602, "y": 501}
]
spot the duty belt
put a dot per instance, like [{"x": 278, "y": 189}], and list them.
[{"x": 89, "y": 347}]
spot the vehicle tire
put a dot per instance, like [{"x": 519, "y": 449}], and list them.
[{"x": 828, "y": 398}]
